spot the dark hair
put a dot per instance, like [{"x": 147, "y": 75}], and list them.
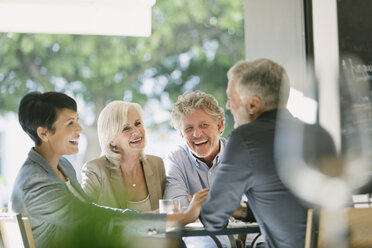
[{"x": 40, "y": 110}]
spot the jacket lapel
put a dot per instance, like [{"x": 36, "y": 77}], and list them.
[
  {"x": 71, "y": 175},
  {"x": 117, "y": 184},
  {"x": 151, "y": 184},
  {"x": 65, "y": 167}
]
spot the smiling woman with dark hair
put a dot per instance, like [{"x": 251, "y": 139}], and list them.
[{"x": 46, "y": 189}]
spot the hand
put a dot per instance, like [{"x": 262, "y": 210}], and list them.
[
  {"x": 238, "y": 213},
  {"x": 192, "y": 213}
]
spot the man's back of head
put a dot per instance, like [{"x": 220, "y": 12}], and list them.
[
  {"x": 264, "y": 78},
  {"x": 255, "y": 87}
]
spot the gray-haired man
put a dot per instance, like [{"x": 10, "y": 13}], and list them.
[
  {"x": 248, "y": 166},
  {"x": 193, "y": 165}
]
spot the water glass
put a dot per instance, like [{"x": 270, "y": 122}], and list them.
[{"x": 169, "y": 206}]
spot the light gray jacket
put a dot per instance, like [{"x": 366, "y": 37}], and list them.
[{"x": 54, "y": 211}]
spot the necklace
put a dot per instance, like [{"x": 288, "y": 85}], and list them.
[
  {"x": 134, "y": 184},
  {"x": 134, "y": 181}
]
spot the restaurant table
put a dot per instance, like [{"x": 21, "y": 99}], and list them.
[
  {"x": 235, "y": 227},
  {"x": 174, "y": 235}
]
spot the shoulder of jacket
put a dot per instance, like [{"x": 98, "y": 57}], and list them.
[
  {"x": 155, "y": 161},
  {"x": 150, "y": 157},
  {"x": 31, "y": 169},
  {"x": 98, "y": 164}
]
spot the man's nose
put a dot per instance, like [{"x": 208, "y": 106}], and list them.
[{"x": 197, "y": 132}]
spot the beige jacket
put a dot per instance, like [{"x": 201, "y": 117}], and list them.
[{"x": 104, "y": 184}]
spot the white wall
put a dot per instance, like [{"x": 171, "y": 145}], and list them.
[
  {"x": 326, "y": 58},
  {"x": 16, "y": 145},
  {"x": 276, "y": 30}
]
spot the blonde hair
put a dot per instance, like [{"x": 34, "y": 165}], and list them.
[
  {"x": 110, "y": 123},
  {"x": 189, "y": 101}
]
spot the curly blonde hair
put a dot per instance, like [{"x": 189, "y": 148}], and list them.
[{"x": 189, "y": 101}]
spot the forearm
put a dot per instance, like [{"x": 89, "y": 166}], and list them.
[
  {"x": 174, "y": 220},
  {"x": 191, "y": 214}
]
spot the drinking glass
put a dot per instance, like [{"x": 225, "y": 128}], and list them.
[{"x": 169, "y": 206}]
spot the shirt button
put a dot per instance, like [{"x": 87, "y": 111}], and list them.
[{"x": 210, "y": 173}]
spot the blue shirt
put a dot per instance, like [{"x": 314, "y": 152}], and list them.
[{"x": 187, "y": 174}]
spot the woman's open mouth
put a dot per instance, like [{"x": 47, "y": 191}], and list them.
[{"x": 136, "y": 141}]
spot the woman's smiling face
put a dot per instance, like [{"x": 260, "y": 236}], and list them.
[
  {"x": 133, "y": 135},
  {"x": 64, "y": 138}
]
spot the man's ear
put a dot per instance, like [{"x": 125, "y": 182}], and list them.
[
  {"x": 220, "y": 125},
  {"x": 42, "y": 132},
  {"x": 254, "y": 105},
  {"x": 181, "y": 134}
]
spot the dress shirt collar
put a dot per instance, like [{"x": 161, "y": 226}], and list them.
[{"x": 216, "y": 159}]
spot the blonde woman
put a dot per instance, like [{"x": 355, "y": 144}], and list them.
[{"x": 124, "y": 177}]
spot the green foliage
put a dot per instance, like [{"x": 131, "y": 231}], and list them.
[{"x": 193, "y": 44}]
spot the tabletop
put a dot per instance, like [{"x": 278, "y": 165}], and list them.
[{"x": 197, "y": 229}]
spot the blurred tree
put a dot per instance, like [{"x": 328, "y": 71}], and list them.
[{"x": 193, "y": 43}]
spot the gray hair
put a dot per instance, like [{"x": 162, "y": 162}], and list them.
[
  {"x": 110, "y": 123},
  {"x": 263, "y": 78},
  {"x": 189, "y": 101}
]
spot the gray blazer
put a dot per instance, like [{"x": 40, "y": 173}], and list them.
[
  {"x": 248, "y": 167},
  {"x": 103, "y": 182},
  {"x": 54, "y": 211}
]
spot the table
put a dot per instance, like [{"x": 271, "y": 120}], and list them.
[
  {"x": 156, "y": 239},
  {"x": 197, "y": 229}
]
